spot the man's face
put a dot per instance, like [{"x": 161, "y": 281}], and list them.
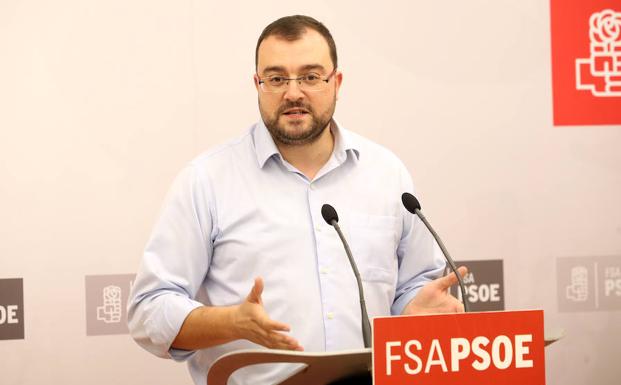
[{"x": 295, "y": 116}]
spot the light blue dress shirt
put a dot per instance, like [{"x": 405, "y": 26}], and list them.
[{"x": 241, "y": 211}]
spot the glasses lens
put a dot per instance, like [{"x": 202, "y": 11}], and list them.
[
  {"x": 310, "y": 82},
  {"x": 274, "y": 84}
]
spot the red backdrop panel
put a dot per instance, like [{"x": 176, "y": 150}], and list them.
[{"x": 586, "y": 61}]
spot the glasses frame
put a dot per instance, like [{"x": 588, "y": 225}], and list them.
[{"x": 298, "y": 79}]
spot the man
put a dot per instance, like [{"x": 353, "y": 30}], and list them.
[{"x": 241, "y": 257}]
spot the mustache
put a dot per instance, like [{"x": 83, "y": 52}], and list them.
[{"x": 288, "y": 105}]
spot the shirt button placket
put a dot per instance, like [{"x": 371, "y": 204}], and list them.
[{"x": 320, "y": 229}]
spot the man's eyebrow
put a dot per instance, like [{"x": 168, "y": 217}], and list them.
[
  {"x": 304, "y": 68},
  {"x": 309, "y": 67},
  {"x": 273, "y": 69}
]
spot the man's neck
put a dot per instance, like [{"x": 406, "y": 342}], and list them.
[{"x": 309, "y": 158}]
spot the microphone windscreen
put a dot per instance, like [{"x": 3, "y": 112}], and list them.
[
  {"x": 410, "y": 202},
  {"x": 329, "y": 214}
]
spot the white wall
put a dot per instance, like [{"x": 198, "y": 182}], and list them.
[{"x": 101, "y": 103}]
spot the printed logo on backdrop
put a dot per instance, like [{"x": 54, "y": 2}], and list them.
[
  {"x": 106, "y": 302},
  {"x": 589, "y": 284},
  {"x": 586, "y": 61},
  {"x": 600, "y": 73},
  {"x": 12, "y": 309},
  {"x": 484, "y": 285}
]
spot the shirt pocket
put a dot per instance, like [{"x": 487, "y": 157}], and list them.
[{"x": 374, "y": 241}]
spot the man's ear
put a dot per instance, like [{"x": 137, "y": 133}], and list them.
[
  {"x": 255, "y": 78},
  {"x": 338, "y": 79}
]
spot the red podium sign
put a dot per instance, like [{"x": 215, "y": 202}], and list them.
[{"x": 466, "y": 349}]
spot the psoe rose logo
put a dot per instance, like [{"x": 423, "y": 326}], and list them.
[
  {"x": 586, "y": 62},
  {"x": 600, "y": 73},
  {"x": 106, "y": 302}
]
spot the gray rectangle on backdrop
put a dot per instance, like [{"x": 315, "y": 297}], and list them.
[
  {"x": 12, "y": 309},
  {"x": 106, "y": 303},
  {"x": 484, "y": 285},
  {"x": 588, "y": 283}
]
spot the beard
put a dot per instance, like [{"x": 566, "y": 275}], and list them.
[{"x": 297, "y": 134}]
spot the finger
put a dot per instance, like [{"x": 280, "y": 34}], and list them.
[
  {"x": 462, "y": 270},
  {"x": 282, "y": 341},
  {"x": 255, "y": 293},
  {"x": 454, "y": 305},
  {"x": 269, "y": 324},
  {"x": 451, "y": 279},
  {"x": 460, "y": 308}
]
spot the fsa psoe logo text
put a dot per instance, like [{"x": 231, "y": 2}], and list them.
[{"x": 601, "y": 72}]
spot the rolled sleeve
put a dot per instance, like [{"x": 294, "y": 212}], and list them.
[
  {"x": 173, "y": 268},
  {"x": 163, "y": 325},
  {"x": 420, "y": 261},
  {"x": 419, "y": 255}
]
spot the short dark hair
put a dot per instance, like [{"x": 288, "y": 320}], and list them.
[{"x": 291, "y": 28}]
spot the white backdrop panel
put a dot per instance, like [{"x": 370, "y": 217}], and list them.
[{"x": 101, "y": 103}]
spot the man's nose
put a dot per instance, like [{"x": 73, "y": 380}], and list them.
[{"x": 293, "y": 91}]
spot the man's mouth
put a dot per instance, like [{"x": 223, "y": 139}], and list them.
[{"x": 295, "y": 112}]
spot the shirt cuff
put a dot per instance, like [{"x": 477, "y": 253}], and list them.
[
  {"x": 180, "y": 355},
  {"x": 400, "y": 303},
  {"x": 164, "y": 325}
]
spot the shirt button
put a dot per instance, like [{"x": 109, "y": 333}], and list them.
[
  {"x": 330, "y": 315},
  {"x": 324, "y": 270},
  {"x": 318, "y": 229}
]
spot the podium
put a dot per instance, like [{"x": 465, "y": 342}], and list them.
[{"x": 318, "y": 368}]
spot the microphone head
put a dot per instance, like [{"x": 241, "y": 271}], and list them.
[
  {"x": 410, "y": 202},
  {"x": 329, "y": 214}
]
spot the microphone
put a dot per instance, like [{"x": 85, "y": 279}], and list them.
[
  {"x": 413, "y": 205},
  {"x": 331, "y": 217}
]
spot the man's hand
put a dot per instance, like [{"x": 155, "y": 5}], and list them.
[
  {"x": 252, "y": 323},
  {"x": 434, "y": 297}
]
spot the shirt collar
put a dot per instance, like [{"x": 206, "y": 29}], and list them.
[
  {"x": 265, "y": 147},
  {"x": 344, "y": 142}
]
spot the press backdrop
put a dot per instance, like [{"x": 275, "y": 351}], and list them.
[{"x": 103, "y": 102}]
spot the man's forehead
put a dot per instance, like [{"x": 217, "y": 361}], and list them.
[{"x": 311, "y": 49}]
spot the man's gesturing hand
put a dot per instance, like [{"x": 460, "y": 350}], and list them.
[
  {"x": 434, "y": 297},
  {"x": 253, "y": 324}
]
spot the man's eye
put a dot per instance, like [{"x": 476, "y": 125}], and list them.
[
  {"x": 277, "y": 80},
  {"x": 311, "y": 77}
]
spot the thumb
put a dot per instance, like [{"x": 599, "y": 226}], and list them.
[
  {"x": 255, "y": 293},
  {"x": 451, "y": 279}
]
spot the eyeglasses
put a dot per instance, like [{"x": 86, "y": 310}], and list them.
[{"x": 309, "y": 82}]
